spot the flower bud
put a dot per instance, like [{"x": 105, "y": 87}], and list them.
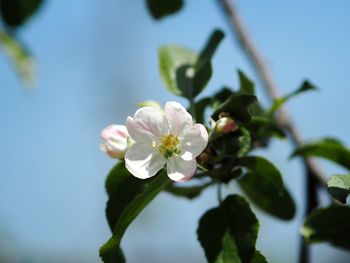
[
  {"x": 115, "y": 141},
  {"x": 225, "y": 125}
]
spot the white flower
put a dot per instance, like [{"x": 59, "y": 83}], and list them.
[
  {"x": 164, "y": 138},
  {"x": 115, "y": 141}
]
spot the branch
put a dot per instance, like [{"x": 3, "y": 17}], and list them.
[{"x": 271, "y": 89}]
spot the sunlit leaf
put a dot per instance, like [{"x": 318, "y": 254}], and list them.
[
  {"x": 264, "y": 186},
  {"x": 328, "y": 148},
  {"x": 329, "y": 224},
  {"x": 162, "y": 8},
  {"x": 339, "y": 187},
  {"x": 184, "y": 72},
  {"x": 19, "y": 57}
]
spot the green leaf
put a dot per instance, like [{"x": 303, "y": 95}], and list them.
[
  {"x": 16, "y": 12},
  {"x": 329, "y": 224},
  {"x": 339, "y": 187},
  {"x": 171, "y": 58},
  {"x": 327, "y": 148},
  {"x": 19, "y": 57},
  {"x": 264, "y": 186},
  {"x": 189, "y": 192},
  {"x": 305, "y": 86},
  {"x": 246, "y": 85},
  {"x": 263, "y": 127},
  {"x": 228, "y": 233},
  {"x": 258, "y": 258},
  {"x": 183, "y": 71},
  {"x": 199, "y": 109},
  {"x": 237, "y": 106},
  {"x": 244, "y": 142},
  {"x": 162, "y": 8},
  {"x": 128, "y": 197}
]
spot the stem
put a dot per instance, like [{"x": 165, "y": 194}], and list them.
[
  {"x": 314, "y": 176},
  {"x": 219, "y": 193}
]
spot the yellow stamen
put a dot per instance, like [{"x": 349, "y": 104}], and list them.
[{"x": 168, "y": 145}]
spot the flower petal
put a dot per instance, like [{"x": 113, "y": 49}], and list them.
[
  {"x": 147, "y": 125},
  {"x": 194, "y": 141},
  {"x": 143, "y": 160},
  {"x": 179, "y": 119},
  {"x": 114, "y": 131},
  {"x": 180, "y": 170}
]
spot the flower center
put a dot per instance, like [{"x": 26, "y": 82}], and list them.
[{"x": 169, "y": 145}]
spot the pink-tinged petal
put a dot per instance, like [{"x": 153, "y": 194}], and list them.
[
  {"x": 147, "y": 125},
  {"x": 180, "y": 170},
  {"x": 115, "y": 140},
  {"x": 112, "y": 131},
  {"x": 194, "y": 141},
  {"x": 179, "y": 119},
  {"x": 143, "y": 161}
]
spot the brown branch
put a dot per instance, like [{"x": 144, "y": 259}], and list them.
[{"x": 271, "y": 89}]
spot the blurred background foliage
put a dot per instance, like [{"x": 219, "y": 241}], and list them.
[{"x": 97, "y": 60}]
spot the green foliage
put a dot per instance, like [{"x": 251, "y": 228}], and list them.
[
  {"x": 16, "y": 12},
  {"x": 128, "y": 196},
  {"x": 329, "y": 224},
  {"x": 189, "y": 192},
  {"x": 184, "y": 72},
  {"x": 327, "y": 148},
  {"x": 246, "y": 85},
  {"x": 20, "y": 58},
  {"x": 237, "y": 106},
  {"x": 305, "y": 86},
  {"x": 339, "y": 187},
  {"x": 161, "y": 8},
  {"x": 228, "y": 233},
  {"x": 264, "y": 186}
]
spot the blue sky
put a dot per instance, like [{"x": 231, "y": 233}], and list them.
[{"x": 96, "y": 61}]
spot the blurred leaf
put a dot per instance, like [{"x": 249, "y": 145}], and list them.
[
  {"x": 305, "y": 86},
  {"x": 170, "y": 59},
  {"x": 246, "y": 86},
  {"x": 162, "y": 8},
  {"x": 327, "y": 148},
  {"x": 183, "y": 71},
  {"x": 244, "y": 142},
  {"x": 200, "y": 108},
  {"x": 220, "y": 97},
  {"x": 16, "y": 12},
  {"x": 258, "y": 258},
  {"x": 19, "y": 57},
  {"x": 189, "y": 192},
  {"x": 228, "y": 233},
  {"x": 339, "y": 187},
  {"x": 264, "y": 186},
  {"x": 329, "y": 224},
  {"x": 264, "y": 127},
  {"x": 203, "y": 69},
  {"x": 237, "y": 106},
  {"x": 128, "y": 196}
]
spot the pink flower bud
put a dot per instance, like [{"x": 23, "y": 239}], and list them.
[
  {"x": 225, "y": 125},
  {"x": 115, "y": 141}
]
